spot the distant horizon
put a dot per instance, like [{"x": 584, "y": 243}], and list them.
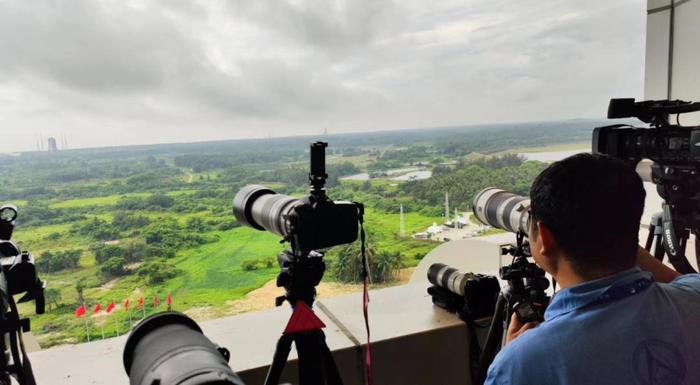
[{"x": 216, "y": 140}]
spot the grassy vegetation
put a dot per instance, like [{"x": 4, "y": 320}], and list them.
[
  {"x": 553, "y": 147},
  {"x": 178, "y": 202},
  {"x": 94, "y": 201},
  {"x": 385, "y": 227},
  {"x": 211, "y": 274}
]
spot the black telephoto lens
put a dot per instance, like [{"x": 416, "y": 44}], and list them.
[
  {"x": 8, "y": 215},
  {"x": 169, "y": 348}
]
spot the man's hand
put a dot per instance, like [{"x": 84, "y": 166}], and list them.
[
  {"x": 516, "y": 328},
  {"x": 661, "y": 272}
]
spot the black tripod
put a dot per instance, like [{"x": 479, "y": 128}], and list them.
[
  {"x": 671, "y": 239},
  {"x": 525, "y": 295},
  {"x": 301, "y": 273}
]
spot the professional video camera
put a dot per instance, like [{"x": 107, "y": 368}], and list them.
[
  {"x": 479, "y": 295},
  {"x": 18, "y": 275},
  {"x": 309, "y": 224},
  {"x": 674, "y": 151}
]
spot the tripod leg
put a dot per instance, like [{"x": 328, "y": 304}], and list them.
[
  {"x": 311, "y": 358},
  {"x": 493, "y": 341},
  {"x": 659, "y": 251},
  {"x": 331, "y": 369},
  {"x": 284, "y": 346},
  {"x": 650, "y": 237},
  {"x": 655, "y": 237}
]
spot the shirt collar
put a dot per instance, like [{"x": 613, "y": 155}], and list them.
[{"x": 583, "y": 294}]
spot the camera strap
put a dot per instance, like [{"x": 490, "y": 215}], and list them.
[
  {"x": 365, "y": 293},
  {"x": 674, "y": 249}
]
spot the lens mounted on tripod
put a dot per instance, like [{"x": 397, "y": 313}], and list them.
[{"x": 502, "y": 209}]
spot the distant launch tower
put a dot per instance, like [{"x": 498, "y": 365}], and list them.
[
  {"x": 447, "y": 206},
  {"x": 52, "y": 145}
]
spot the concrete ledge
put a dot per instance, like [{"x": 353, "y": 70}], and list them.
[{"x": 413, "y": 342}]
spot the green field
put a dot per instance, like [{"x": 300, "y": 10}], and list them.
[
  {"x": 109, "y": 200},
  {"x": 139, "y": 222},
  {"x": 210, "y": 274}
]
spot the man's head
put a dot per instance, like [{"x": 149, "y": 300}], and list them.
[{"x": 585, "y": 210}]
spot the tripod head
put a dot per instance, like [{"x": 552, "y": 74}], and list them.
[
  {"x": 527, "y": 283},
  {"x": 299, "y": 275}
]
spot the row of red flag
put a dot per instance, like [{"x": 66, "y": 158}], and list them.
[{"x": 79, "y": 312}]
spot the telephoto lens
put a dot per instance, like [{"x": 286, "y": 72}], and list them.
[
  {"x": 262, "y": 209},
  {"x": 169, "y": 348},
  {"x": 310, "y": 223},
  {"x": 8, "y": 214},
  {"x": 449, "y": 278},
  {"x": 473, "y": 296},
  {"x": 502, "y": 209}
]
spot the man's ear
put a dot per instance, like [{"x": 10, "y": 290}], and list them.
[{"x": 547, "y": 243}]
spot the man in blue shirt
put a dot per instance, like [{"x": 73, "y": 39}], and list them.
[{"x": 621, "y": 316}]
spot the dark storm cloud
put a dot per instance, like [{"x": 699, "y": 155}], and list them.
[{"x": 150, "y": 71}]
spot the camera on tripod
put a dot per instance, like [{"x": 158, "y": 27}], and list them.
[
  {"x": 525, "y": 294},
  {"x": 310, "y": 224},
  {"x": 473, "y": 296},
  {"x": 527, "y": 283},
  {"x": 674, "y": 151},
  {"x": 18, "y": 275}
]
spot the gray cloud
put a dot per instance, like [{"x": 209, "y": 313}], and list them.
[
  {"x": 329, "y": 26},
  {"x": 136, "y": 71},
  {"x": 94, "y": 47}
]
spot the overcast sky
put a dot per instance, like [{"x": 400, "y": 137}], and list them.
[{"x": 127, "y": 72}]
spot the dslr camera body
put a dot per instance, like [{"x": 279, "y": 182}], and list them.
[{"x": 314, "y": 222}]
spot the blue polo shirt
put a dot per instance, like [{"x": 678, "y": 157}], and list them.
[{"x": 622, "y": 329}]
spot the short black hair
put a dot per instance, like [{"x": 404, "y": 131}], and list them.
[{"x": 593, "y": 205}]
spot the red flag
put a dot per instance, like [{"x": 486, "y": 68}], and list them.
[
  {"x": 97, "y": 309},
  {"x": 155, "y": 300},
  {"x": 170, "y": 299},
  {"x": 110, "y": 307},
  {"x": 80, "y": 311},
  {"x": 140, "y": 302},
  {"x": 126, "y": 305}
]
